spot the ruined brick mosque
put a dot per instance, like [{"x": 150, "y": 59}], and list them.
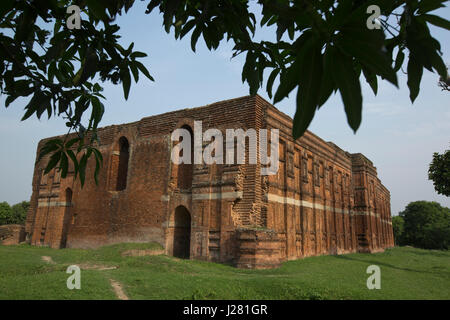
[{"x": 322, "y": 201}]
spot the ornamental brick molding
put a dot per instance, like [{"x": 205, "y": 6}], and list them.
[{"x": 322, "y": 200}]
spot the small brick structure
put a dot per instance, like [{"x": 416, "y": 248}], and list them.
[
  {"x": 11, "y": 234},
  {"x": 322, "y": 200}
]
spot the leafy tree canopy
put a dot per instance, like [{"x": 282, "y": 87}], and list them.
[
  {"x": 19, "y": 212},
  {"x": 323, "y": 47},
  {"x": 15, "y": 214},
  {"x": 398, "y": 226},
  {"x": 426, "y": 225},
  {"x": 5, "y": 213},
  {"x": 439, "y": 172}
]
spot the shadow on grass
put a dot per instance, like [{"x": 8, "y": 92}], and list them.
[
  {"x": 429, "y": 252},
  {"x": 375, "y": 262}
]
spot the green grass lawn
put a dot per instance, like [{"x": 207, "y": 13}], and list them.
[{"x": 406, "y": 273}]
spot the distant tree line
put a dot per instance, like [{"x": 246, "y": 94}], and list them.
[
  {"x": 423, "y": 224},
  {"x": 16, "y": 214}
]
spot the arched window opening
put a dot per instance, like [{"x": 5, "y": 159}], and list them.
[
  {"x": 122, "y": 170},
  {"x": 185, "y": 170},
  {"x": 68, "y": 195}
]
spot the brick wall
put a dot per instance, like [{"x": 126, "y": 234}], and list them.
[
  {"x": 12, "y": 234},
  {"x": 323, "y": 200}
]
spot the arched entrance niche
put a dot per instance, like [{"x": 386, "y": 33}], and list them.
[{"x": 182, "y": 233}]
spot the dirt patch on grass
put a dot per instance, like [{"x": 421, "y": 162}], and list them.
[
  {"x": 89, "y": 266},
  {"x": 118, "y": 290},
  {"x": 48, "y": 259},
  {"x": 142, "y": 252}
]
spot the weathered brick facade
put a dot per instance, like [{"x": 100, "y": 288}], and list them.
[{"x": 322, "y": 200}]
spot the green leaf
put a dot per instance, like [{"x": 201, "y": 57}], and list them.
[
  {"x": 137, "y": 54},
  {"x": 265, "y": 19},
  {"x": 64, "y": 165},
  {"x": 54, "y": 159},
  {"x": 430, "y": 5},
  {"x": 28, "y": 113},
  {"x": 135, "y": 72},
  {"x": 281, "y": 28},
  {"x": 98, "y": 9},
  {"x": 49, "y": 147},
  {"x": 420, "y": 43},
  {"x": 69, "y": 54},
  {"x": 98, "y": 163},
  {"x": 97, "y": 88},
  {"x": 415, "y": 72},
  {"x": 25, "y": 19},
  {"x": 309, "y": 89},
  {"x": 194, "y": 37},
  {"x": 289, "y": 78},
  {"x": 399, "y": 60},
  {"x": 270, "y": 81},
  {"x": 438, "y": 64},
  {"x": 97, "y": 154},
  {"x": 98, "y": 109},
  {"x": 37, "y": 104},
  {"x": 437, "y": 21},
  {"x": 349, "y": 87},
  {"x": 144, "y": 70},
  {"x": 187, "y": 27},
  {"x": 88, "y": 68},
  {"x": 288, "y": 81},
  {"x": 71, "y": 142},
  {"x": 126, "y": 82},
  {"x": 9, "y": 100},
  {"x": 73, "y": 157},
  {"x": 82, "y": 168},
  {"x": 57, "y": 26},
  {"x": 367, "y": 48},
  {"x": 371, "y": 79},
  {"x": 51, "y": 71},
  {"x": 327, "y": 83},
  {"x": 6, "y": 6},
  {"x": 250, "y": 73}
]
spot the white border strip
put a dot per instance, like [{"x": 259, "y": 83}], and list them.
[
  {"x": 303, "y": 203},
  {"x": 211, "y": 196},
  {"x": 44, "y": 204}
]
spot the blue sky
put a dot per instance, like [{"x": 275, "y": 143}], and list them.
[{"x": 397, "y": 136}]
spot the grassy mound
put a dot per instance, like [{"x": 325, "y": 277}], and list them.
[{"x": 406, "y": 273}]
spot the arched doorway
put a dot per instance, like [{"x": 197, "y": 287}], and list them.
[{"x": 182, "y": 233}]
